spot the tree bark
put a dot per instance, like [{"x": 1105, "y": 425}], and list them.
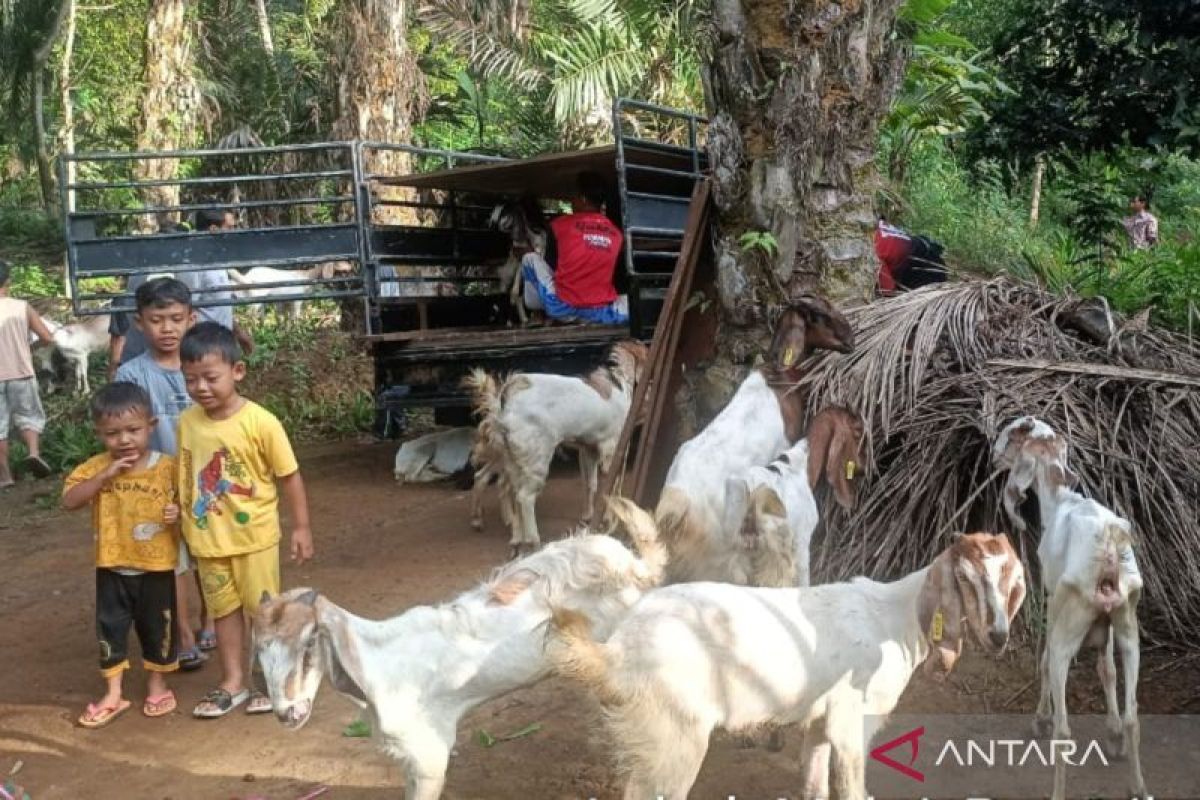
[
  {"x": 37, "y": 93},
  {"x": 170, "y": 102},
  {"x": 66, "y": 129},
  {"x": 1035, "y": 202},
  {"x": 796, "y": 92},
  {"x": 264, "y": 26}
]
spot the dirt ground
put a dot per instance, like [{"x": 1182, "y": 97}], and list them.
[{"x": 381, "y": 548}]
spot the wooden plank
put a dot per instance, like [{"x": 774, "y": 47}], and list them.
[
  {"x": 684, "y": 335},
  {"x": 1105, "y": 370},
  {"x": 555, "y": 333}
]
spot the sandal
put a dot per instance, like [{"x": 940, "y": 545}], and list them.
[
  {"x": 159, "y": 706},
  {"x": 259, "y": 703},
  {"x": 192, "y": 660},
  {"x": 99, "y": 716},
  {"x": 206, "y": 640},
  {"x": 38, "y": 467},
  {"x": 218, "y": 703}
]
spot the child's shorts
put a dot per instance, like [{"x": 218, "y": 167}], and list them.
[
  {"x": 234, "y": 582},
  {"x": 145, "y": 601},
  {"x": 20, "y": 407}
]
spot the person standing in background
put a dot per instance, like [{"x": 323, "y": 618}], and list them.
[{"x": 1142, "y": 226}]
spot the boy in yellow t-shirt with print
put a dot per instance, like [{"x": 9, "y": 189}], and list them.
[
  {"x": 232, "y": 452},
  {"x": 131, "y": 490}
]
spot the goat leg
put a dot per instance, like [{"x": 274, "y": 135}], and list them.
[{"x": 514, "y": 294}]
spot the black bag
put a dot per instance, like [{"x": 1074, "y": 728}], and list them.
[{"x": 924, "y": 265}]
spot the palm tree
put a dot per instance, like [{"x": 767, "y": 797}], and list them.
[{"x": 579, "y": 54}]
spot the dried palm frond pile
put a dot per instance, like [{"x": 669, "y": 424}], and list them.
[{"x": 937, "y": 373}]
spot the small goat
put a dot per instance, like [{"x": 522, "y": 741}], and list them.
[
  {"x": 693, "y": 657},
  {"x": 251, "y": 280},
  {"x": 75, "y": 342},
  {"x": 524, "y": 221},
  {"x": 525, "y": 419},
  {"x": 1091, "y": 581},
  {"x": 774, "y": 506},
  {"x": 434, "y": 456},
  {"x": 418, "y": 673},
  {"x": 761, "y": 421}
]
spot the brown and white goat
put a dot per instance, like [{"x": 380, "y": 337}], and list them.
[
  {"x": 418, "y": 673},
  {"x": 524, "y": 221},
  {"x": 525, "y": 419},
  {"x": 693, "y": 657},
  {"x": 1092, "y": 586},
  {"x": 761, "y": 421}
]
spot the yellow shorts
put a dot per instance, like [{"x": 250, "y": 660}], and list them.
[{"x": 238, "y": 581}]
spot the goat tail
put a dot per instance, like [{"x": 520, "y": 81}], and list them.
[
  {"x": 643, "y": 532},
  {"x": 676, "y": 518},
  {"x": 485, "y": 393},
  {"x": 575, "y": 655}
]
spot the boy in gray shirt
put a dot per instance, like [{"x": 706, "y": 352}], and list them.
[{"x": 164, "y": 314}]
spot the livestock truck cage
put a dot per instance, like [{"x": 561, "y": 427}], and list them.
[{"x": 408, "y": 229}]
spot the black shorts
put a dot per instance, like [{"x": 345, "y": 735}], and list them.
[{"x": 147, "y": 603}]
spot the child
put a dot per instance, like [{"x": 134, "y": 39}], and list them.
[
  {"x": 131, "y": 489},
  {"x": 231, "y": 453},
  {"x": 20, "y": 406},
  {"x": 164, "y": 314}
]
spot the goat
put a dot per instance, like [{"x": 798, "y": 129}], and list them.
[
  {"x": 255, "y": 276},
  {"x": 434, "y": 456},
  {"x": 774, "y": 506},
  {"x": 761, "y": 421},
  {"x": 418, "y": 673},
  {"x": 693, "y": 657},
  {"x": 525, "y": 419},
  {"x": 1091, "y": 581},
  {"x": 75, "y": 342},
  {"x": 524, "y": 221}
]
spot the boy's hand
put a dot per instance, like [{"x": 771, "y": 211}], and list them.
[
  {"x": 171, "y": 514},
  {"x": 119, "y": 466},
  {"x": 302, "y": 546}
]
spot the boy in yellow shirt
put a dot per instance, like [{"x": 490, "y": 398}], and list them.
[
  {"x": 131, "y": 490},
  {"x": 232, "y": 452}
]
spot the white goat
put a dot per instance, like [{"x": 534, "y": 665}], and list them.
[
  {"x": 434, "y": 456},
  {"x": 1091, "y": 581},
  {"x": 524, "y": 221},
  {"x": 761, "y": 421},
  {"x": 76, "y": 341},
  {"x": 774, "y": 506},
  {"x": 417, "y": 674},
  {"x": 250, "y": 281},
  {"x": 693, "y": 657},
  {"x": 530, "y": 415}
]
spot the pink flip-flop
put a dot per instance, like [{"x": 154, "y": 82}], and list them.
[{"x": 99, "y": 716}]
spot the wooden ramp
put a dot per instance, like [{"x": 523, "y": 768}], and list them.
[{"x": 685, "y": 335}]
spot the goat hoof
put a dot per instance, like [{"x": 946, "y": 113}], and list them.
[{"x": 1043, "y": 727}]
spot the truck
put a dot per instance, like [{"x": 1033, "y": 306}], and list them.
[{"x": 409, "y": 228}]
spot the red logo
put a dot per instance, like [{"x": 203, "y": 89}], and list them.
[{"x": 913, "y": 738}]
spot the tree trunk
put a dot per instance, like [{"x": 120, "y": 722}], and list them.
[
  {"x": 264, "y": 26},
  {"x": 796, "y": 92},
  {"x": 1035, "y": 202},
  {"x": 66, "y": 129},
  {"x": 37, "y": 93},
  {"x": 170, "y": 102}
]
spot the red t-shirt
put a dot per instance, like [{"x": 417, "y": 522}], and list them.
[
  {"x": 893, "y": 247},
  {"x": 587, "y": 245}
]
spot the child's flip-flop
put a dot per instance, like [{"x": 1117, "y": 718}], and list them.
[
  {"x": 38, "y": 467},
  {"x": 259, "y": 703},
  {"x": 218, "y": 703},
  {"x": 206, "y": 640},
  {"x": 99, "y": 716},
  {"x": 192, "y": 660},
  {"x": 159, "y": 706}
]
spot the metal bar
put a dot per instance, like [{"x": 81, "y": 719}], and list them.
[
  {"x": 229, "y": 232},
  {"x": 287, "y": 176},
  {"x": 664, "y": 171},
  {"x": 666, "y": 198},
  {"x": 109, "y": 155},
  {"x": 623, "y": 196},
  {"x": 234, "y": 287},
  {"x": 177, "y": 268},
  {"x": 665, "y": 233},
  {"x": 302, "y": 201},
  {"x": 665, "y": 111},
  {"x": 232, "y": 301}
]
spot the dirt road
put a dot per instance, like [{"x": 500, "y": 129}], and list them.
[{"x": 381, "y": 548}]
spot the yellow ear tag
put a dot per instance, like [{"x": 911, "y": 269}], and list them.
[
  {"x": 789, "y": 356},
  {"x": 850, "y": 467},
  {"x": 936, "y": 626}
]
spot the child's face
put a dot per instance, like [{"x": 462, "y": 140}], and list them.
[
  {"x": 212, "y": 381},
  {"x": 126, "y": 434},
  {"x": 164, "y": 327}
]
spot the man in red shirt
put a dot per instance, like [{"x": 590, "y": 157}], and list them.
[{"x": 574, "y": 282}]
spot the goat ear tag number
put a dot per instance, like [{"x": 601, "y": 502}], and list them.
[
  {"x": 850, "y": 467},
  {"x": 937, "y": 625}
]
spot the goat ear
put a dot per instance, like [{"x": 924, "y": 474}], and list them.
[
  {"x": 342, "y": 656},
  {"x": 1021, "y": 473},
  {"x": 820, "y": 437},
  {"x": 939, "y": 611},
  {"x": 511, "y": 586},
  {"x": 309, "y": 598},
  {"x": 1016, "y": 591},
  {"x": 787, "y": 345},
  {"x": 766, "y": 502},
  {"x": 837, "y": 460},
  {"x": 737, "y": 502}
]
